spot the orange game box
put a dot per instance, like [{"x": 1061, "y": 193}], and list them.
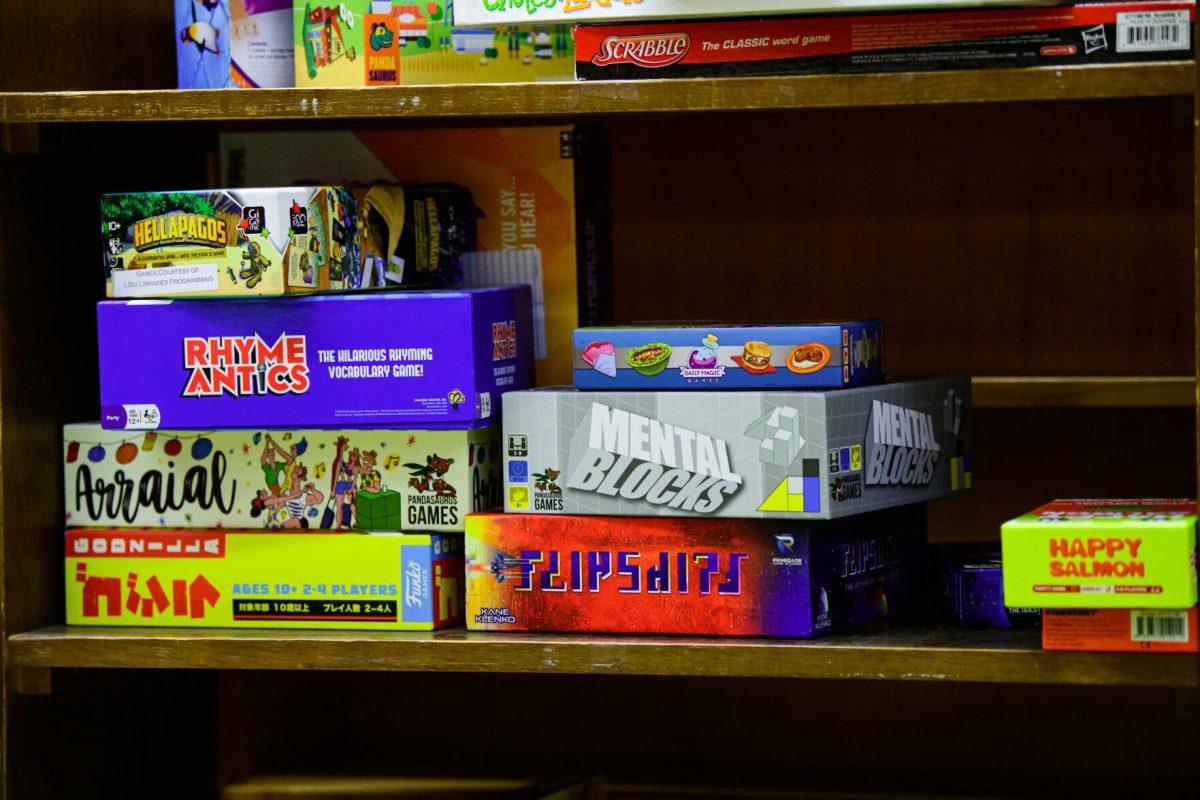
[{"x": 1120, "y": 630}]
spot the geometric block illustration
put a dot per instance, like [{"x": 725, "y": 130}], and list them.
[
  {"x": 778, "y": 432},
  {"x": 797, "y": 493}
]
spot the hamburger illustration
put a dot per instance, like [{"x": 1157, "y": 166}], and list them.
[{"x": 755, "y": 357}]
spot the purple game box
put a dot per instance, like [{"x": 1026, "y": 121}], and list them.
[
  {"x": 411, "y": 359},
  {"x": 972, "y": 583}
]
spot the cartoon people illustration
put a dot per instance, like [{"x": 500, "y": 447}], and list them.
[
  {"x": 430, "y": 476},
  {"x": 346, "y": 469},
  {"x": 289, "y": 507},
  {"x": 255, "y": 264},
  {"x": 371, "y": 480},
  {"x": 276, "y": 463}
]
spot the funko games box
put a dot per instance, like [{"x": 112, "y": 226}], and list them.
[
  {"x": 1102, "y": 554},
  {"x": 242, "y": 44},
  {"x": 395, "y": 42},
  {"x": 707, "y": 577},
  {"x": 385, "y": 359},
  {"x": 972, "y": 585},
  {"x": 230, "y": 579},
  {"x": 1121, "y": 630},
  {"x": 801, "y": 356},
  {"x": 782, "y": 455},
  {"x": 411, "y": 481},
  {"x": 297, "y": 239},
  {"x": 1095, "y": 33}
]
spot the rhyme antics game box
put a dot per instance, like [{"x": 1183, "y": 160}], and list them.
[
  {"x": 784, "y": 455},
  {"x": 704, "y": 577},
  {"x": 1102, "y": 554},
  {"x": 228, "y": 579},
  {"x": 972, "y": 584},
  {"x": 372, "y": 480},
  {"x": 387, "y": 359},
  {"x": 1094, "y": 33},
  {"x": 1122, "y": 630},
  {"x": 800, "y": 356}
]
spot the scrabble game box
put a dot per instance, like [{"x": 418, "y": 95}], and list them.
[
  {"x": 708, "y": 577},
  {"x": 1102, "y": 554},
  {"x": 1121, "y": 630},
  {"x": 800, "y": 356},
  {"x": 376, "y": 360},
  {"x": 230, "y": 579},
  {"x": 773, "y": 454},
  {"x": 972, "y": 586},
  {"x": 412, "y": 481}
]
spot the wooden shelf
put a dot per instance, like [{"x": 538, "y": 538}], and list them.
[
  {"x": 1088, "y": 391},
  {"x": 893, "y": 650},
  {"x": 571, "y": 99}
]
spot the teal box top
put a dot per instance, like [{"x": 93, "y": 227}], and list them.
[{"x": 821, "y": 355}]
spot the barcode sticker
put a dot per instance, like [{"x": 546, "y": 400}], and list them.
[
  {"x": 1151, "y": 31},
  {"x": 1158, "y": 626}
]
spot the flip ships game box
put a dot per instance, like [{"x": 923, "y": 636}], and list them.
[
  {"x": 705, "y": 577},
  {"x": 384, "y": 359},
  {"x": 228, "y": 579},
  {"x": 784, "y": 455}
]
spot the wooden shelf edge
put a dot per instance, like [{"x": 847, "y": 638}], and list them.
[
  {"x": 569, "y": 98},
  {"x": 1086, "y": 391},
  {"x": 895, "y": 654}
]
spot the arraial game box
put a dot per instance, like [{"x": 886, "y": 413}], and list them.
[
  {"x": 1059, "y": 35},
  {"x": 782, "y": 455},
  {"x": 1121, "y": 630},
  {"x": 971, "y": 579},
  {"x": 1102, "y": 554},
  {"x": 413, "y": 481},
  {"x": 390, "y": 42},
  {"x": 380, "y": 360},
  {"x": 279, "y": 579},
  {"x": 296, "y": 239},
  {"x": 712, "y": 577},
  {"x": 227, "y": 44},
  {"x": 801, "y": 356}
]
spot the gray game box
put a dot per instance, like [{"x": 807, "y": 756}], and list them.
[{"x": 784, "y": 455}]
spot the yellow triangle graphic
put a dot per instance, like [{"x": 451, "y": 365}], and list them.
[{"x": 777, "y": 500}]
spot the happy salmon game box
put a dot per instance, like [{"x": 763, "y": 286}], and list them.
[
  {"x": 379, "y": 360},
  {"x": 711, "y": 577},
  {"x": 782, "y": 455}
]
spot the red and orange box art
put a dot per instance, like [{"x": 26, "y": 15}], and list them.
[
  {"x": 1121, "y": 630},
  {"x": 710, "y": 577}
]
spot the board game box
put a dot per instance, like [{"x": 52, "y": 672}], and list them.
[
  {"x": 234, "y": 44},
  {"x": 1121, "y": 630},
  {"x": 1102, "y": 554},
  {"x": 229, "y": 579},
  {"x": 783, "y": 455},
  {"x": 706, "y": 577},
  {"x": 396, "y": 42},
  {"x": 800, "y": 356},
  {"x": 971, "y": 579},
  {"x": 1061, "y": 35},
  {"x": 411, "y": 481},
  {"x": 295, "y": 239},
  {"x": 378, "y": 360}
]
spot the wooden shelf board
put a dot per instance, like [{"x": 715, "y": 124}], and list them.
[
  {"x": 570, "y": 99},
  {"x": 892, "y": 650},
  {"x": 1085, "y": 391}
]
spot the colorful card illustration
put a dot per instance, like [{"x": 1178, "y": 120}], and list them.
[
  {"x": 801, "y": 356},
  {"x": 179, "y": 578},
  {"x": 228, "y": 44}
]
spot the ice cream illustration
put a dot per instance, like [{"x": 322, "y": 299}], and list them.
[
  {"x": 704, "y": 356},
  {"x": 601, "y": 356}
]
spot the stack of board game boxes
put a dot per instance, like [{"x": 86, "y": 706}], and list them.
[
  {"x": 718, "y": 480},
  {"x": 245, "y": 437}
]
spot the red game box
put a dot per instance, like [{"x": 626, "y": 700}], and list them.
[{"x": 1120, "y": 630}]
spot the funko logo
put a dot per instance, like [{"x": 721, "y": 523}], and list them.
[
  {"x": 245, "y": 365},
  {"x": 652, "y": 51}
]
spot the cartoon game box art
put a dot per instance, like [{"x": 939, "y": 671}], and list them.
[{"x": 234, "y": 44}]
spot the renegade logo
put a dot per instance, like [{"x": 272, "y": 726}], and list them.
[
  {"x": 652, "y": 50},
  {"x": 245, "y": 365},
  {"x": 169, "y": 229}
]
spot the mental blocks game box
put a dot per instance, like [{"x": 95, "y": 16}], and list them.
[
  {"x": 412, "y": 481},
  {"x": 704, "y": 577},
  {"x": 385, "y": 359},
  {"x": 228, "y": 579},
  {"x": 1102, "y": 554},
  {"x": 801, "y": 356},
  {"x": 783, "y": 455}
]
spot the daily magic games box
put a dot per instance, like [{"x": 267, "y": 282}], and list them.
[
  {"x": 819, "y": 355},
  {"x": 782, "y": 455},
  {"x": 1094, "y": 33},
  {"x": 371, "y": 480},
  {"x": 1102, "y": 554},
  {"x": 703, "y": 577},
  {"x": 384, "y": 359},
  {"x": 226, "y": 579},
  {"x": 390, "y": 42}
]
